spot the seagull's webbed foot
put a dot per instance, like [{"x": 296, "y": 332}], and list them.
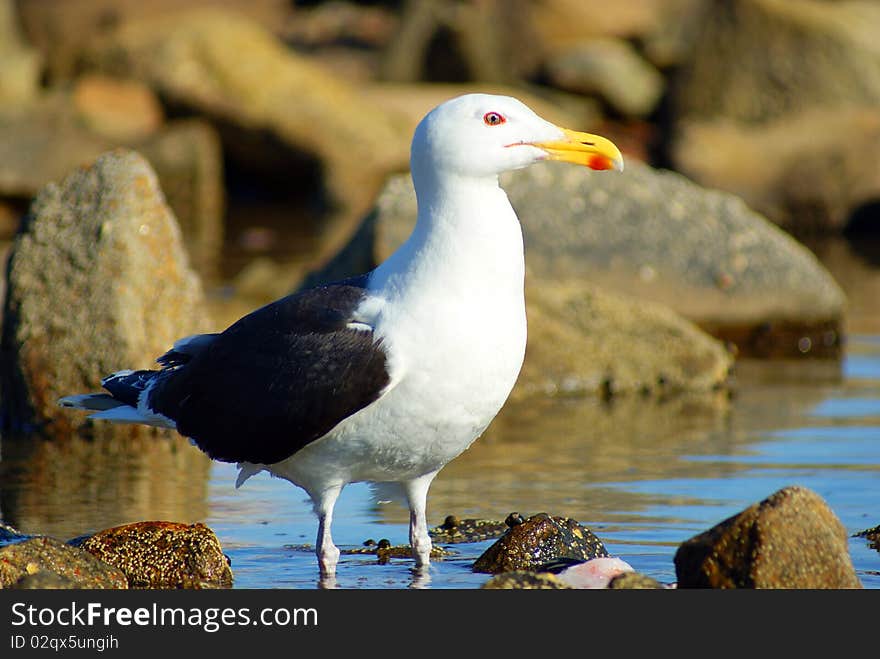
[{"x": 328, "y": 556}]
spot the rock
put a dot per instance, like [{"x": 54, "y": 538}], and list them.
[
  {"x": 758, "y": 60},
  {"x": 62, "y": 31},
  {"x": 539, "y": 540},
  {"x": 454, "y": 530},
  {"x": 792, "y": 539},
  {"x": 104, "y": 247},
  {"x": 524, "y": 580},
  {"x": 52, "y": 137},
  {"x": 611, "y": 69},
  {"x": 346, "y": 37},
  {"x": 20, "y": 64},
  {"x": 560, "y": 24},
  {"x": 634, "y": 581},
  {"x": 384, "y": 551},
  {"x": 446, "y": 40},
  {"x": 872, "y": 535},
  {"x": 117, "y": 109},
  {"x": 668, "y": 41},
  {"x": 164, "y": 555},
  {"x": 188, "y": 160},
  {"x": 796, "y": 133},
  {"x": 44, "y": 581},
  {"x": 825, "y": 164},
  {"x": 43, "y": 554},
  {"x": 278, "y": 110},
  {"x": 583, "y": 340}
]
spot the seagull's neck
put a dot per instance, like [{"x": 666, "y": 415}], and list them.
[{"x": 466, "y": 236}]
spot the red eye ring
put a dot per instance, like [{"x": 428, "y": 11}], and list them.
[{"x": 493, "y": 119}]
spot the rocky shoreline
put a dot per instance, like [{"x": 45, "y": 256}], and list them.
[{"x": 791, "y": 539}]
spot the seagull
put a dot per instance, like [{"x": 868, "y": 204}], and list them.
[{"x": 384, "y": 377}]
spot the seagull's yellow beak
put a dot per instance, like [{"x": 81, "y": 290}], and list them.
[{"x": 593, "y": 151}]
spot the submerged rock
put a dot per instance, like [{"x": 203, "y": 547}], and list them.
[
  {"x": 73, "y": 567},
  {"x": 537, "y": 541},
  {"x": 791, "y": 539},
  {"x": 383, "y": 550},
  {"x": 872, "y": 536},
  {"x": 163, "y": 555},
  {"x": 455, "y": 530},
  {"x": 97, "y": 280}
]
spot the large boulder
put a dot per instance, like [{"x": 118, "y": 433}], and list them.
[
  {"x": 98, "y": 280},
  {"x": 791, "y": 539}
]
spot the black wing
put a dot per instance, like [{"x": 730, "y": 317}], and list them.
[{"x": 277, "y": 379}]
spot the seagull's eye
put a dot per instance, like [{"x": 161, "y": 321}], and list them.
[{"x": 493, "y": 119}]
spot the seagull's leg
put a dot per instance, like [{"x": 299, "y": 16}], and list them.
[
  {"x": 328, "y": 553},
  {"x": 417, "y": 496}
]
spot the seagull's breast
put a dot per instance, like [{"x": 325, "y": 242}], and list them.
[
  {"x": 454, "y": 326},
  {"x": 449, "y": 310}
]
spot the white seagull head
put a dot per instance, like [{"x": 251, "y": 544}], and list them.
[{"x": 483, "y": 135}]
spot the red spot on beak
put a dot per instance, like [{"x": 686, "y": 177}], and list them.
[{"x": 599, "y": 162}]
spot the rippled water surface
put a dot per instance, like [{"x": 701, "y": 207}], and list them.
[{"x": 643, "y": 475}]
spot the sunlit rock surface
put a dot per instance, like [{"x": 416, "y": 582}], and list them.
[{"x": 98, "y": 280}]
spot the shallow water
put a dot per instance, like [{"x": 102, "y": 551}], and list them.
[{"x": 643, "y": 475}]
